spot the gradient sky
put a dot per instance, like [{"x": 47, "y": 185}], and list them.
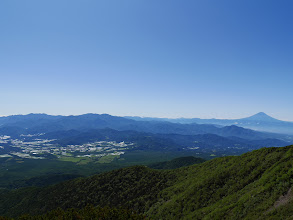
[{"x": 160, "y": 58}]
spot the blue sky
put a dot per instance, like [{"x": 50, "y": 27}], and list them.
[{"x": 161, "y": 58}]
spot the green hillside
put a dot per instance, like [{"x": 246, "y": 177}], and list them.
[
  {"x": 177, "y": 163},
  {"x": 255, "y": 185},
  {"x": 87, "y": 213}
]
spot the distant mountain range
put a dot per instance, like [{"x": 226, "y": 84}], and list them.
[
  {"x": 260, "y": 122},
  {"x": 152, "y": 135},
  {"x": 42, "y": 123}
]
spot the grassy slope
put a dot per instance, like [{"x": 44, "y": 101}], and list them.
[
  {"x": 238, "y": 187},
  {"x": 229, "y": 187}
]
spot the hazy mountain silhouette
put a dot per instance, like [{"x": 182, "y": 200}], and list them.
[
  {"x": 261, "y": 116},
  {"x": 260, "y": 122},
  {"x": 41, "y": 123}
]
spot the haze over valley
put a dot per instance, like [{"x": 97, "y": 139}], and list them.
[
  {"x": 129, "y": 110},
  {"x": 81, "y": 138}
]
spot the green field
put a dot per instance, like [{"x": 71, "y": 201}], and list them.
[
  {"x": 77, "y": 160},
  {"x": 108, "y": 158}
]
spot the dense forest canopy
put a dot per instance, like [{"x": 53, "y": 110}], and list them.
[{"x": 236, "y": 187}]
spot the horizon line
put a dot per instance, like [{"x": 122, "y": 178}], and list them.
[{"x": 146, "y": 117}]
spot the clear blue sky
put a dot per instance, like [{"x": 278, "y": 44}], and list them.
[{"x": 162, "y": 58}]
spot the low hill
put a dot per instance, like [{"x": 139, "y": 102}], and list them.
[
  {"x": 250, "y": 186},
  {"x": 177, "y": 163}
]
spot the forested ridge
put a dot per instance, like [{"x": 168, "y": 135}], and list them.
[
  {"x": 234, "y": 187},
  {"x": 177, "y": 163},
  {"x": 87, "y": 213}
]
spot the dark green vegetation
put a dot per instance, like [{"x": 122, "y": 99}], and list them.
[
  {"x": 177, "y": 163},
  {"x": 234, "y": 187},
  {"x": 132, "y": 188},
  {"x": 87, "y": 213},
  {"x": 19, "y": 172}
]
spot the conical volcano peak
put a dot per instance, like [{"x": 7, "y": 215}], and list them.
[{"x": 261, "y": 116}]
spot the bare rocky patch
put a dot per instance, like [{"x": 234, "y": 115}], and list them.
[{"x": 283, "y": 200}]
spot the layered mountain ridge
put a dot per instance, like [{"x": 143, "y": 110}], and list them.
[
  {"x": 39, "y": 123},
  {"x": 260, "y": 122},
  {"x": 81, "y": 129}
]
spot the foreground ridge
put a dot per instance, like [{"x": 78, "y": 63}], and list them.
[{"x": 234, "y": 187}]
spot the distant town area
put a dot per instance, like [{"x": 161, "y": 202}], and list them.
[{"x": 38, "y": 148}]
